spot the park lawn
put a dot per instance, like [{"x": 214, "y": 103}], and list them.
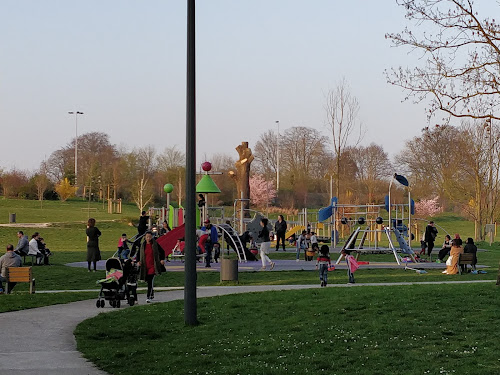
[
  {"x": 424, "y": 329},
  {"x": 74, "y": 210},
  {"x": 21, "y": 301}
]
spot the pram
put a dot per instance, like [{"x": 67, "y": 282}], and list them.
[{"x": 115, "y": 287}]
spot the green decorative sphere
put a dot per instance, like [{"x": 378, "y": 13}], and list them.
[{"x": 168, "y": 188}]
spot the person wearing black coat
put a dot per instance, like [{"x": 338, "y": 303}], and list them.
[
  {"x": 471, "y": 249},
  {"x": 430, "y": 236},
  {"x": 280, "y": 229},
  {"x": 93, "y": 252},
  {"x": 143, "y": 224}
]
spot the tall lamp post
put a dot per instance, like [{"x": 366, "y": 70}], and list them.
[
  {"x": 278, "y": 157},
  {"x": 76, "y": 113}
]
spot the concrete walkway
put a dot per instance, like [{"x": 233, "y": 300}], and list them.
[{"x": 40, "y": 341}]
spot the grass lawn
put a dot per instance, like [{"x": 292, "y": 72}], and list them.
[
  {"x": 425, "y": 329},
  {"x": 22, "y": 301}
]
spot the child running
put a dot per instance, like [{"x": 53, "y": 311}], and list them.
[
  {"x": 352, "y": 265},
  {"x": 323, "y": 261},
  {"x": 265, "y": 244}
]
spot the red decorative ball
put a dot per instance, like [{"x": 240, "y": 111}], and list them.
[{"x": 206, "y": 166}]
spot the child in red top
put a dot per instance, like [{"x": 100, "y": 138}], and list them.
[{"x": 323, "y": 261}]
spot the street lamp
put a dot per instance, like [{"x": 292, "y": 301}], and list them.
[
  {"x": 278, "y": 157},
  {"x": 76, "y": 113}
]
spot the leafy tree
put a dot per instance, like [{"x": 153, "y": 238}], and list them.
[
  {"x": 262, "y": 192},
  {"x": 65, "y": 190},
  {"x": 428, "y": 207}
]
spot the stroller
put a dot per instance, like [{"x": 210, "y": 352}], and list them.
[{"x": 115, "y": 288}]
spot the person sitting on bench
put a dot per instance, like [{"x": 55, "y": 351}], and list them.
[
  {"x": 33, "y": 248},
  {"x": 22, "y": 245},
  {"x": 9, "y": 259}
]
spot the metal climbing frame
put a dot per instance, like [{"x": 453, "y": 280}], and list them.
[{"x": 232, "y": 234}]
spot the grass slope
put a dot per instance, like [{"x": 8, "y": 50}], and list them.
[{"x": 437, "y": 329}]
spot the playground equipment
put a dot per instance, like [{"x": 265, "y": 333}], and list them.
[{"x": 370, "y": 214}]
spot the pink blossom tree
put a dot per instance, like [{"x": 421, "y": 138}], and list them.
[
  {"x": 262, "y": 192},
  {"x": 428, "y": 207}
]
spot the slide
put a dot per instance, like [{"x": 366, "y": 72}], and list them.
[
  {"x": 168, "y": 241},
  {"x": 402, "y": 242},
  {"x": 295, "y": 229}
]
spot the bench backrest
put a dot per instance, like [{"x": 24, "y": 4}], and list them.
[
  {"x": 19, "y": 274},
  {"x": 466, "y": 258}
]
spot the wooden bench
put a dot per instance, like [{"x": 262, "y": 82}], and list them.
[
  {"x": 20, "y": 275},
  {"x": 465, "y": 259}
]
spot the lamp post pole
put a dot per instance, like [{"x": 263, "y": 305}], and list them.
[
  {"x": 278, "y": 158},
  {"x": 190, "y": 304},
  {"x": 76, "y": 113}
]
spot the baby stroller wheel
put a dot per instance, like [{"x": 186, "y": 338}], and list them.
[
  {"x": 98, "y": 304},
  {"x": 102, "y": 303},
  {"x": 117, "y": 304},
  {"x": 131, "y": 301},
  {"x": 112, "y": 303}
]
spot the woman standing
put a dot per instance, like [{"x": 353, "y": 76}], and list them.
[
  {"x": 265, "y": 245},
  {"x": 150, "y": 261},
  {"x": 93, "y": 253},
  {"x": 452, "y": 262}
]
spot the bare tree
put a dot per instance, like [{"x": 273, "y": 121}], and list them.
[
  {"x": 342, "y": 118},
  {"x": 373, "y": 166},
  {"x": 140, "y": 166},
  {"x": 265, "y": 154},
  {"x": 460, "y": 73},
  {"x": 41, "y": 182}
]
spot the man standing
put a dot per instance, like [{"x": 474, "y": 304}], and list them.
[
  {"x": 213, "y": 238},
  {"x": 22, "y": 247},
  {"x": 430, "y": 236},
  {"x": 9, "y": 259},
  {"x": 280, "y": 229},
  {"x": 143, "y": 224}
]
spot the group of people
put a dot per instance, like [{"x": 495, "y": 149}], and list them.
[
  {"x": 34, "y": 247},
  {"x": 451, "y": 248},
  {"x": 150, "y": 258}
]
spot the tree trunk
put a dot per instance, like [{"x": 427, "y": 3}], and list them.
[{"x": 242, "y": 177}]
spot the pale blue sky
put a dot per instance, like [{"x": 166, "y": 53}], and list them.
[{"x": 123, "y": 64}]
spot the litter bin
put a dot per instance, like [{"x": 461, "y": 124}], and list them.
[
  {"x": 12, "y": 218},
  {"x": 229, "y": 270}
]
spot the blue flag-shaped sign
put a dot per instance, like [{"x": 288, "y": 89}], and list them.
[{"x": 401, "y": 179}]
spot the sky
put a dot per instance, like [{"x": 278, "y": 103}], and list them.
[{"x": 123, "y": 63}]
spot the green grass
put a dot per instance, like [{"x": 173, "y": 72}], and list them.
[
  {"x": 75, "y": 210},
  {"x": 427, "y": 329},
  {"x": 22, "y": 301}
]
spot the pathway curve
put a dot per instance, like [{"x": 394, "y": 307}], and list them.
[{"x": 40, "y": 341}]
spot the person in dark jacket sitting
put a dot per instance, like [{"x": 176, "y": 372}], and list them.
[
  {"x": 22, "y": 247},
  {"x": 471, "y": 249}
]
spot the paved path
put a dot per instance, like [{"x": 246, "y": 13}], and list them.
[{"x": 40, "y": 341}]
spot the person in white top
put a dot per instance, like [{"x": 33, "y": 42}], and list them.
[
  {"x": 33, "y": 248},
  {"x": 314, "y": 242}
]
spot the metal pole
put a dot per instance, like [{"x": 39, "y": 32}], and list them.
[
  {"x": 278, "y": 158},
  {"x": 409, "y": 218},
  {"x": 76, "y": 149},
  {"x": 190, "y": 304},
  {"x": 390, "y": 222},
  {"x": 167, "y": 211}
]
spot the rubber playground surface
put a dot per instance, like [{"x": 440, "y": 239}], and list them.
[{"x": 281, "y": 265}]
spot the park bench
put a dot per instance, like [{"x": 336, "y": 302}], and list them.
[
  {"x": 20, "y": 275},
  {"x": 465, "y": 259}
]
